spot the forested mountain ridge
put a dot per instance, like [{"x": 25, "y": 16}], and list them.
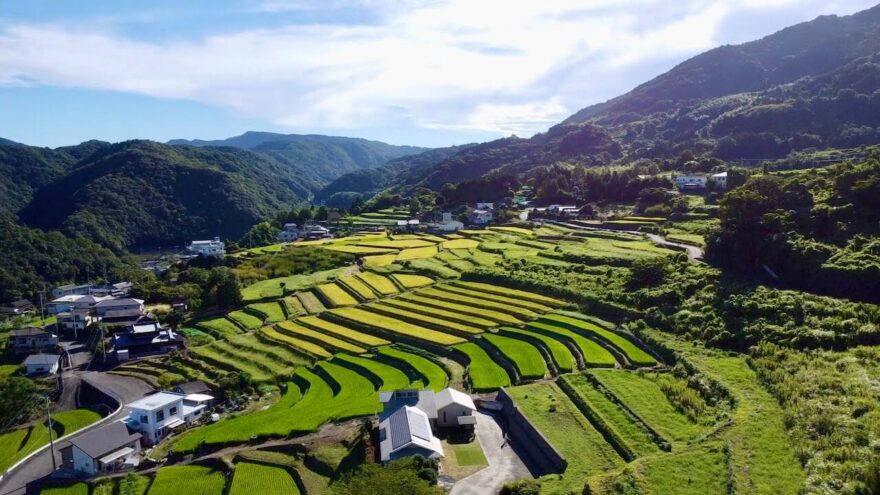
[
  {"x": 317, "y": 159},
  {"x": 147, "y": 193}
]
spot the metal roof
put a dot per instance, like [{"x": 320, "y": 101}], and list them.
[{"x": 101, "y": 441}]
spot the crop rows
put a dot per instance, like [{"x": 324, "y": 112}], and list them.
[
  {"x": 421, "y": 319},
  {"x": 336, "y": 295},
  {"x": 379, "y": 283},
  {"x": 524, "y": 356},
  {"x": 355, "y": 285},
  {"x": 252, "y": 478},
  {"x": 342, "y": 332},
  {"x": 433, "y": 375},
  {"x": 297, "y": 344},
  {"x": 394, "y": 326},
  {"x": 319, "y": 338}
]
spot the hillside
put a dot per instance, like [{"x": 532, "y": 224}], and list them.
[
  {"x": 146, "y": 193},
  {"x": 316, "y": 159}
]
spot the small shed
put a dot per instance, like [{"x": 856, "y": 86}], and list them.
[{"x": 42, "y": 364}]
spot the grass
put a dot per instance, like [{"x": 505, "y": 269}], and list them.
[
  {"x": 392, "y": 325},
  {"x": 251, "y": 478},
  {"x": 190, "y": 479},
  {"x": 272, "y": 311},
  {"x": 420, "y": 319},
  {"x": 463, "y": 309},
  {"x": 485, "y": 374},
  {"x": 80, "y": 488},
  {"x": 417, "y": 253},
  {"x": 409, "y": 281},
  {"x": 379, "y": 283},
  {"x": 322, "y": 339},
  {"x": 310, "y": 302},
  {"x": 446, "y": 315},
  {"x": 593, "y": 353},
  {"x": 477, "y": 302},
  {"x": 643, "y": 395},
  {"x": 271, "y": 288},
  {"x": 560, "y": 354},
  {"x": 17, "y": 444},
  {"x": 295, "y": 343},
  {"x": 434, "y": 377},
  {"x": 508, "y": 300},
  {"x": 221, "y": 326},
  {"x": 633, "y": 435},
  {"x": 506, "y": 291},
  {"x": 246, "y": 320},
  {"x": 460, "y": 244},
  {"x": 336, "y": 295},
  {"x": 342, "y": 332},
  {"x": 355, "y": 285},
  {"x": 523, "y": 355},
  {"x": 469, "y": 454},
  {"x": 391, "y": 378},
  {"x": 634, "y": 354},
  {"x": 586, "y": 451}
]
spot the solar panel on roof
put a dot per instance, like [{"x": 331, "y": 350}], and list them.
[
  {"x": 399, "y": 424},
  {"x": 419, "y": 425}
]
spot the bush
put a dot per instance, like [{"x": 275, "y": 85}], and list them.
[{"x": 521, "y": 487}]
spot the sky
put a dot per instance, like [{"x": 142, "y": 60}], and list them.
[{"x": 418, "y": 72}]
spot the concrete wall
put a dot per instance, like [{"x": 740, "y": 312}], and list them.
[{"x": 529, "y": 439}]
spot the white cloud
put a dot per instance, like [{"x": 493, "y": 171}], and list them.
[{"x": 501, "y": 66}]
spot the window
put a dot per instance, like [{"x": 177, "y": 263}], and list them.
[
  {"x": 160, "y": 416},
  {"x": 145, "y": 418},
  {"x": 172, "y": 411}
]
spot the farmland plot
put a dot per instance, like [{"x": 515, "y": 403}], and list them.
[
  {"x": 485, "y": 374},
  {"x": 18, "y": 443},
  {"x": 392, "y": 325},
  {"x": 252, "y": 479},
  {"x": 505, "y": 291},
  {"x": 379, "y": 283},
  {"x": 440, "y": 313},
  {"x": 428, "y": 302},
  {"x": 189, "y": 479},
  {"x": 319, "y": 338},
  {"x": 523, "y": 355},
  {"x": 310, "y": 302},
  {"x": 509, "y": 300},
  {"x": 342, "y": 332},
  {"x": 272, "y": 311},
  {"x": 295, "y": 343},
  {"x": 434, "y": 376},
  {"x": 481, "y": 303},
  {"x": 561, "y": 355},
  {"x": 246, "y": 320},
  {"x": 336, "y": 295},
  {"x": 634, "y": 354},
  {"x": 391, "y": 378},
  {"x": 355, "y": 285},
  {"x": 221, "y": 326},
  {"x": 593, "y": 353},
  {"x": 420, "y": 319},
  {"x": 409, "y": 281}
]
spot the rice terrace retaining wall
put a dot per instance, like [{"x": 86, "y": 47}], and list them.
[{"x": 529, "y": 438}]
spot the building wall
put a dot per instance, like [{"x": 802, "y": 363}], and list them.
[
  {"x": 82, "y": 463},
  {"x": 446, "y": 416},
  {"x": 150, "y": 428}
]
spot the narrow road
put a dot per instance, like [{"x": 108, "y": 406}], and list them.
[
  {"x": 122, "y": 388},
  {"x": 504, "y": 464}
]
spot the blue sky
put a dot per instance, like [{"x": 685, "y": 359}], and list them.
[{"x": 422, "y": 72}]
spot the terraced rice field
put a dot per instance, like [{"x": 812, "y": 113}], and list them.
[
  {"x": 440, "y": 313},
  {"x": 421, "y": 319},
  {"x": 271, "y": 288},
  {"x": 190, "y": 479},
  {"x": 379, "y": 260},
  {"x": 593, "y": 353},
  {"x": 389, "y": 377},
  {"x": 295, "y": 343},
  {"x": 272, "y": 311},
  {"x": 310, "y": 302},
  {"x": 359, "y": 288},
  {"x": 342, "y": 332},
  {"x": 364, "y": 250},
  {"x": 294, "y": 306},
  {"x": 506, "y": 291},
  {"x": 633, "y": 353},
  {"x": 336, "y": 295},
  {"x": 559, "y": 352},
  {"x": 508, "y": 300},
  {"x": 417, "y": 253},
  {"x": 461, "y": 244},
  {"x": 220, "y": 326},
  {"x": 524, "y": 356},
  {"x": 476, "y": 302},
  {"x": 484, "y": 373},
  {"x": 586, "y": 451},
  {"x": 400, "y": 244},
  {"x": 429, "y": 302},
  {"x": 379, "y": 283},
  {"x": 513, "y": 230},
  {"x": 394, "y": 326},
  {"x": 319, "y": 338},
  {"x": 252, "y": 478},
  {"x": 408, "y": 281},
  {"x": 263, "y": 362},
  {"x": 246, "y": 320},
  {"x": 434, "y": 377}
]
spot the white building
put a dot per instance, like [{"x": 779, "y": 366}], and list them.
[
  {"x": 122, "y": 304},
  {"x": 72, "y": 290},
  {"x": 214, "y": 247},
  {"x": 481, "y": 217},
  {"x": 448, "y": 224},
  {"x": 156, "y": 416},
  {"x": 454, "y": 408},
  {"x": 73, "y": 301},
  {"x": 485, "y": 206},
  {"x": 720, "y": 180},
  {"x": 311, "y": 232},
  {"x": 107, "y": 449},
  {"x": 42, "y": 364},
  {"x": 691, "y": 181},
  {"x": 289, "y": 234}
]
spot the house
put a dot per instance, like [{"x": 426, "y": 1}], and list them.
[
  {"x": 481, "y": 217},
  {"x": 690, "y": 182},
  {"x": 408, "y": 416},
  {"x": 73, "y": 301},
  {"x": 156, "y": 416},
  {"x": 42, "y": 364},
  {"x": 71, "y": 290},
  {"x": 214, "y": 247},
  {"x": 122, "y": 304},
  {"x": 115, "y": 318},
  {"x": 447, "y": 224},
  {"x": 146, "y": 336},
  {"x": 107, "y": 449},
  {"x": 720, "y": 180},
  {"x": 312, "y": 232},
  {"x": 75, "y": 319},
  {"x": 195, "y": 387},
  {"x": 289, "y": 233},
  {"x": 485, "y": 206},
  {"x": 31, "y": 339},
  {"x": 17, "y": 308}
]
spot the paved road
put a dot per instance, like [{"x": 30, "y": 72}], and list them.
[
  {"x": 504, "y": 464},
  {"x": 125, "y": 389}
]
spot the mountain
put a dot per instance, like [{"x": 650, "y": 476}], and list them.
[
  {"x": 317, "y": 159},
  {"x": 365, "y": 183},
  {"x": 147, "y": 193}
]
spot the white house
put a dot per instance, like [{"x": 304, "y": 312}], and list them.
[
  {"x": 72, "y": 290},
  {"x": 691, "y": 181},
  {"x": 448, "y": 224},
  {"x": 122, "y": 304},
  {"x": 454, "y": 408},
  {"x": 720, "y": 180},
  {"x": 42, "y": 364},
  {"x": 73, "y": 301},
  {"x": 316, "y": 232},
  {"x": 75, "y": 319},
  {"x": 289, "y": 234},
  {"x": 155, "y": 416},
  {"x": 407, "y": 432},
  {"x": 481, "y": 217},
  {"x": 214, "y": 247},
  {"x": 106, "y": 449}
]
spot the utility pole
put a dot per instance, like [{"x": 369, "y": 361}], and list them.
[{"x": 51, "y": 434}]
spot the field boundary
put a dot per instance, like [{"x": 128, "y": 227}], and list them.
[{"x": 529, "y": 437}]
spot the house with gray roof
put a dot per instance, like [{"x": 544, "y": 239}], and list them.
[{"x": 107, "y": 449}]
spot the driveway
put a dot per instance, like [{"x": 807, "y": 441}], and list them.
[
  {"x": 124, "y": 389},
  {"x": 504, "y": 464}
]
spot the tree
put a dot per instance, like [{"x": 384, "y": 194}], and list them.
[
  {"x": 648, "y": 272},
  {"x": 397, "y": 478},
  {"x": 322, "y": 214},
  {"x": 261, "y": 234},
  {"x": 521, "y": 487},
  {"x": 229, "y": 292},
  {"x": 19, "y": 400}
]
